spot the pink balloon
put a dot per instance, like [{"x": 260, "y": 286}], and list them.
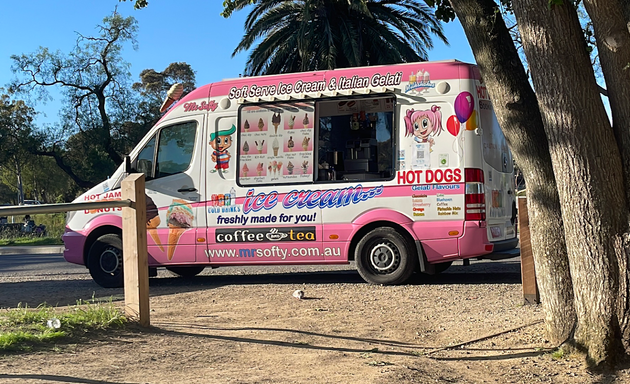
[
  {"x": 464, "y": 105},
  {"x": 452, "y": 124}
]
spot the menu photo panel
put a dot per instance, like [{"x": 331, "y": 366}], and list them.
[{"x": 276, "y": 143}]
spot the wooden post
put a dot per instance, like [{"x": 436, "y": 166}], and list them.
[
  {"x": 528, "y": 272},
  {"x": 135, "y": 262}
]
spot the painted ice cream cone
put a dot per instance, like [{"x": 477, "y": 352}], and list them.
[
  {"x": 180, "y": 217},
  {"x": 246, "y": 147},
  {"x": 152, "y": 231},
  {"x": 305, "y": 121},
  {"x": 291, "y": 122},
  {"x": 290, "y": 168},
  {"x": 245, "y": 170},
  {"x": 259, "y": 146},
  {"x": 153, "y": 221},
  {"x": 174, "y": 233},
  {"x": 261, "y": 124},
  {"x": 259, "y": 169},
  {"x": 246, "y": 126}
]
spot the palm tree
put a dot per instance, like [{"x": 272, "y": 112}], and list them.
[{"x": 306, "y": 35}]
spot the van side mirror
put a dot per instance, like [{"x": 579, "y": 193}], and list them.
[{"x": 127, "y": 165}]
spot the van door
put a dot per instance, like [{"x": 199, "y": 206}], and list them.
[
  {"x": 259, "y": 182},
  {"x": 171, "y": 161},
  {"x": 499, "y": 180}
]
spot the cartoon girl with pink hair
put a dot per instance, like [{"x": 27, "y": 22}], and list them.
[{"x": 424, "y": 125}]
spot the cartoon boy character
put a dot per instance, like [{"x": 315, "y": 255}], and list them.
[
  {"x": 220, "y": 141},
  {"x": 424, "y": 125}
]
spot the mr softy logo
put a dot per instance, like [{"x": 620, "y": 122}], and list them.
[{"x": 265, "y": 235}]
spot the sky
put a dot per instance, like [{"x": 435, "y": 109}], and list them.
[{"x": 190, "y": 31}]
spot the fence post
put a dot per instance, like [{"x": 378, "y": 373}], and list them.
[
  {"x": 528, "y": 271},
  {"x": 135, "y": 262}
]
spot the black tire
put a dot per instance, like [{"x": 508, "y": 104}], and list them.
[
  {"x": 384, "y": 256},
  {"x": 105, "y": 261},
  {"x": 186, "y": 272}
]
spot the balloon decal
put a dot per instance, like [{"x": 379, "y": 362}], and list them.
[
  {"x": 464, "y": 106},
  {"x": 471, "y": 124},
  {"x": 453, "y": 125}
]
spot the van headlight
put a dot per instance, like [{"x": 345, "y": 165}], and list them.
[{"x": 70, "y": 216}]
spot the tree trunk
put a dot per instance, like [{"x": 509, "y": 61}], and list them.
[
  {"x": 587, "y": 166},
  {"x": 107, "y": 128},
  {"x": 60, "y": 163},
  {"x": 517, "y": 112},
  {"x": 20, "y": 185},
  {"x": 613, "y": 45}
]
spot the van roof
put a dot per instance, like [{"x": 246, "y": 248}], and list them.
[{"x": 346, "y": 80}]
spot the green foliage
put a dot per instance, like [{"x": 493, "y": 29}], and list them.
[
  {"x": 42, "y": 180},
  {"x": 139, "y": 4},
  {"x": 327, "y": 34},
  {"x": 23, "y": 328},
  {"x": 94, "y": 80},
  {"x": 229, "y": 6},
  {"x": 55, "y": 223},
  {"x": 443, "y": 11},
  {"x": 103, "y": 117},
  {"x": 152, "y": 89}
]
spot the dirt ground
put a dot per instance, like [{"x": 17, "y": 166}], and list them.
[{"x": 468, "y": 325}]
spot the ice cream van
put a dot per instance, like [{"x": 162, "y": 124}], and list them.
[{"x": 399, "y": 168}]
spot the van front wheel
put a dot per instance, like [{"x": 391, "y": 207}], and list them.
[
  {"x": 383, "y": 256},
  {"x": 105, "y": 261}
]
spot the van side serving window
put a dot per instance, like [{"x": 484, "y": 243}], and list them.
[
  {"x": 174, "y": 151},
  {"x": 330, "y": 140}
]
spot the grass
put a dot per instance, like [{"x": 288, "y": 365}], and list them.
[
  {"x": 24, "y": 329},
  {"x": 558, "y": 354},
  {"x": 30, "y": 240}
]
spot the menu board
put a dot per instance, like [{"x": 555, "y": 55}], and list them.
[{"x": 276, "y": 144}]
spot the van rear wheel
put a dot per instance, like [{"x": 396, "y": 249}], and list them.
[
  {"x": 383, "y": 256},
  {"x": 105, "y": 261},
  {"x": 186, "y": 272}
]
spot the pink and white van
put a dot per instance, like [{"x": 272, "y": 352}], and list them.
[{"x": 401, "y": 168}]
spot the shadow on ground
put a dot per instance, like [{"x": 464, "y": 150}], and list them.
[{"x": 61, "y": 292}]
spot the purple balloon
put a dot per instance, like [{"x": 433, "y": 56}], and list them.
[{"x": 464, "y": 106}]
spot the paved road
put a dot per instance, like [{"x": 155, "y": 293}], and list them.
[{"x": 33, "y": 261}]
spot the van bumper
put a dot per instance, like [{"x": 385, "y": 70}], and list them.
[
  {"x": 74, "y": 243},
  {"x": 505, "y": 245},
  {"x": 475, "y": 241},
  {"x": 504, "y": 249}
]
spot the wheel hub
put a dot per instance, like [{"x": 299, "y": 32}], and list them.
[
  {"x": 384, "y": 257},
  {"x": 110, "y": 260}
]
